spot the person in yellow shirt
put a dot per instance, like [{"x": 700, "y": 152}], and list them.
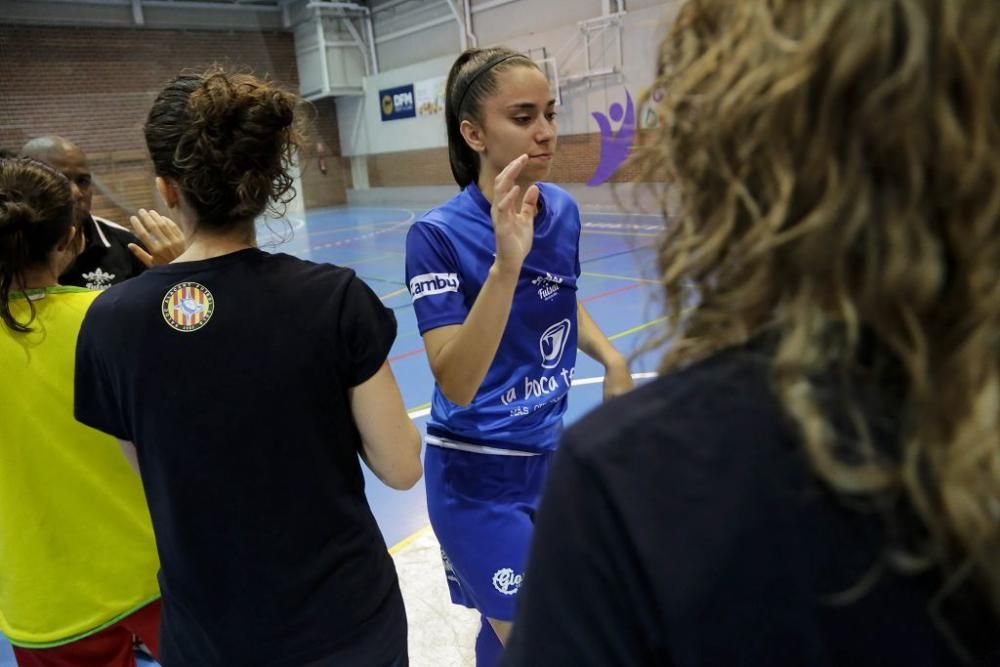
[{"x": 78, "y": 561}]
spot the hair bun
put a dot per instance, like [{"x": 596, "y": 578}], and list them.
[
  {"x": 16, "y": 215},
  {"x": 229, "y": 140},
  {"x": 273, "y": 110},
  {"x": 227, "y": 106}
]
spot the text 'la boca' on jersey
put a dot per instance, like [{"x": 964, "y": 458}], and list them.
[{"x": 449, "y": 251}]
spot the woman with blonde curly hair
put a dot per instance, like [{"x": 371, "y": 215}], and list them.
[{"x": 815, "y": 478}]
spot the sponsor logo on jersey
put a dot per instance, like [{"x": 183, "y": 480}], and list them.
[
  {"x": 429, "y": 284},
  {"x": 98, "y": 279},
  {"x": 552, "y": 344},
  {"x": 505, "y": 581},
  {"x": 548, "y": 286}
]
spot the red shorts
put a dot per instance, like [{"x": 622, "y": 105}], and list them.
[{"x": 111, "y": 647}]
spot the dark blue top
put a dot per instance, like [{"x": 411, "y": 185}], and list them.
[
  {"x": 230, "y": 375},
  {"x": 683, "y": 526},
  {"x": 449, "y": 251}
]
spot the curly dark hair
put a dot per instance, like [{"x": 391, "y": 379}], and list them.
[{"x": 228, "y": 140}]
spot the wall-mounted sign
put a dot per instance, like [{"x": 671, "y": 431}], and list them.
[
  {"x": 429, "y": 95},
  {"x": 398, "y": 102}
]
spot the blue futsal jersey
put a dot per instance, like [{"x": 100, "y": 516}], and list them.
[{"x": 449, "y": 251}]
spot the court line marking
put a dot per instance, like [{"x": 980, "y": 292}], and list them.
[
  {"x": 638, "y": 328},
  {"x": 592, "y": 209},
  {"x": 652, "y": 236},
  {"x": 350, "y": 228},
  {"x": 348, "y": 209},
  {"x": 374, "y": 258},
  {"x": 381, "y": 280},
  {"x": 616, "y": 277},
  {"x": 407, "y": 541},
  {"x": 612, "y": 292},
  {"x": 297, "y": 224},
  {"x": 596, "y": 258},
  {"x": 401, "y": 290},
  {"x": 355, "y": 239},
  {"x": 622, "y": 226},
  {"x": 378, "y": 232},
  {"x": 419, "y": 411},
  {"x": 405, "y": 355},
  {"x": 635, "y": 376}
]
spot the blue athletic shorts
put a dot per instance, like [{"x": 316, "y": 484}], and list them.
[{"x": 482, "y": 508}]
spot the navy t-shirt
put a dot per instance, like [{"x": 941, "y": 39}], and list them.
[
  {"x": 682, "y": 526},
  {"x": 449, "y": 251},
  {"x": 230, "y": 375}
]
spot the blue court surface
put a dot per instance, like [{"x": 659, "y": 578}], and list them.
[{"x": 618, "y": 288}]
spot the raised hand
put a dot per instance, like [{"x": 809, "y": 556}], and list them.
[
  {"x": 513, "y": 217},
  {"x": 161, "y": 236}
]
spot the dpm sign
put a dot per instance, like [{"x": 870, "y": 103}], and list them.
[{"x": 397, "y": 102}]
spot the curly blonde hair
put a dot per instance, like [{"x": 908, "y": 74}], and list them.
[{"x": 837, "y": 168}]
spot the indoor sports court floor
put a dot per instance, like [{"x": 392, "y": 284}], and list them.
[{"x": 618, "y": 289}]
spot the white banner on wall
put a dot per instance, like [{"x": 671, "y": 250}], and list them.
[{"x": 429, "y": 95}]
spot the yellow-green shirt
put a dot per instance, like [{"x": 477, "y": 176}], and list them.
[{"x": 76, "y": 543}]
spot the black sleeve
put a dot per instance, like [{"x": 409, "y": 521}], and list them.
[
  {"x": 577, "y": 606},
  {"x": 366, "y": 331},
  {"x": 137, "y": 266},
  {"x": 95, "y": 399}
]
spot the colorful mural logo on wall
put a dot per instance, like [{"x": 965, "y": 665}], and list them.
[
  {"x": 650, "y": 114},
  {"x": 615, "y": 144}
]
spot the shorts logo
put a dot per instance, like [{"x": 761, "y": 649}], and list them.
[
  {"x": 552, "y": 344},
  {"x": 428, "y": 284},
  {"x": 506, "y": 581},
  {"x": 188, "y": 307}
]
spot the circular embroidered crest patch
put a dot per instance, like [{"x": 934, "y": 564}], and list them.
[{"x": 188, "y": 306}]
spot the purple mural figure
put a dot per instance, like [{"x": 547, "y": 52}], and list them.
[{"x": 615, "y": 146}]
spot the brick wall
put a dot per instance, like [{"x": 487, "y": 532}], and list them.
[
  {"x": 321, "y": 189},
  {"x": 428, "y": 166},
  {"x": 95, "y": 86},
  {"x": 576, "y": 158}
]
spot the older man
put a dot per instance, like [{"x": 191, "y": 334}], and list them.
[{"x": 111, "y": 253}]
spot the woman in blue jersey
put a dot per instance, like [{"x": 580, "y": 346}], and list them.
[{"x": 493, "y": 278}]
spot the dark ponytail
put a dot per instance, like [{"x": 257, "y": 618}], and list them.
[
  {"x": 36, "y": 212},
  {"x": 229, "y": 141},
  {"x": 473, "y": 78}
]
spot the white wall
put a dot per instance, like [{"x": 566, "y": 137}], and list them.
[
  {"x": 363, "y": 132},
  {"x": 427, "y": 44},
  {"x": 345, "y": 63},
  {"x": 529, "y": 18},
  {"x": 359, "y": 119}
]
